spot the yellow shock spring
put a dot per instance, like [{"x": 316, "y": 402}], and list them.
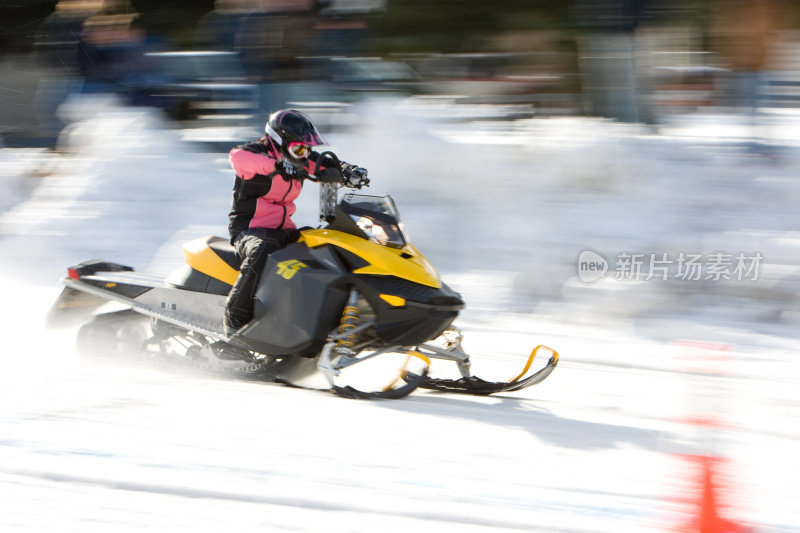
[{"x": 349, "y": 321}]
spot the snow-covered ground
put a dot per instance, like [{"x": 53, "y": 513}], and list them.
[{"x": 655, "y": 367}]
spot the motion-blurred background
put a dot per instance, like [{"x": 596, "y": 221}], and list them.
[{"x": 207, "y": 62}]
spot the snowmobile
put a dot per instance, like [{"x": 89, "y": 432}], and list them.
[{"x": 351, "y": 291}]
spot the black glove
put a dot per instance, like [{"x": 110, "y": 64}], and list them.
[
  {"x": 330, "y": 175},
  {"x": 289, "y": 171},
  {"x": 354, "y": 176},
  {"x": 326, "y": 159}
]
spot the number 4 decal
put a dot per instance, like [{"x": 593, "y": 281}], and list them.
[{"x": 287, "y": 269}]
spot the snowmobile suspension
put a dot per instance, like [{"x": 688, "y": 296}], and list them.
[{"x": 348, "y": 322}]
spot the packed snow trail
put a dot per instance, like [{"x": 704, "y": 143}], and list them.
[{"x": 88, "y": 445}]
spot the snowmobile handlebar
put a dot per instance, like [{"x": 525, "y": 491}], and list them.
[
  {"x": 329, "y": 184},
  {"x": 355, "y": 179},
  {"x": 350, "y": 176}
]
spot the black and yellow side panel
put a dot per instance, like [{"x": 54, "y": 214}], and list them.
[
  {"x": 299, "y": 300},
  {"x": 212, "y": 257}
]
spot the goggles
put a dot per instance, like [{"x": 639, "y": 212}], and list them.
[{"x": 298, "y": 150}]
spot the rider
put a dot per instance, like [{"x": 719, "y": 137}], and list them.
[{"x": 269, "y": 177}]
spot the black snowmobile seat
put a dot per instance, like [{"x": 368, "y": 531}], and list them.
[
  {"x": 212, "y": 266},
  {"x": 226, "y": 251}
]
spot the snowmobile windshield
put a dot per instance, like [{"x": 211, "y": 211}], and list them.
[{"x": 376, "y": 217}]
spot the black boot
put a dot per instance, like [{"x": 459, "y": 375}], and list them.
[{"x": 230, "y": 325}]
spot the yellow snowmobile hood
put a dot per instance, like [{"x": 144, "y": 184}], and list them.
[{"x": 406, "y": 262}]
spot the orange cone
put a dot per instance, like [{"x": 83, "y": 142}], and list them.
[{"x": 708, "y": 519}]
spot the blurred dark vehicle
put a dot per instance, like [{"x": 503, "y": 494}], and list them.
[
  {"x": 197, "y": 86},
  {"x": 523, "y": 84},
  {"x": 337, "y": 82},
  {"x": 372, "y": 74}
]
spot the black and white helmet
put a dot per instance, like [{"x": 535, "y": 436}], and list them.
[{"x": 289, "y": 126}]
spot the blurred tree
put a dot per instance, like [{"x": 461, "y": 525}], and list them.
[
  {"x": 20, "y": 18},
  {"x": 174, "y": 19},
  {"x": 405, "y": 26},
  {"x": 418, "y": 26}
]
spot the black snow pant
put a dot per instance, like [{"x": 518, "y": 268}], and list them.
[{"x": 254, "y": 246}]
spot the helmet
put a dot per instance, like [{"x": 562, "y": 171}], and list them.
[{"x": 290, "y": 126}]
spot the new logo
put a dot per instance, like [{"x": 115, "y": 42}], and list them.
[{"x": 591, "y": 266}]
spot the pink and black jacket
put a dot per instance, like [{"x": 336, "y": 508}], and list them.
[{"x": 262, "y": 197}]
